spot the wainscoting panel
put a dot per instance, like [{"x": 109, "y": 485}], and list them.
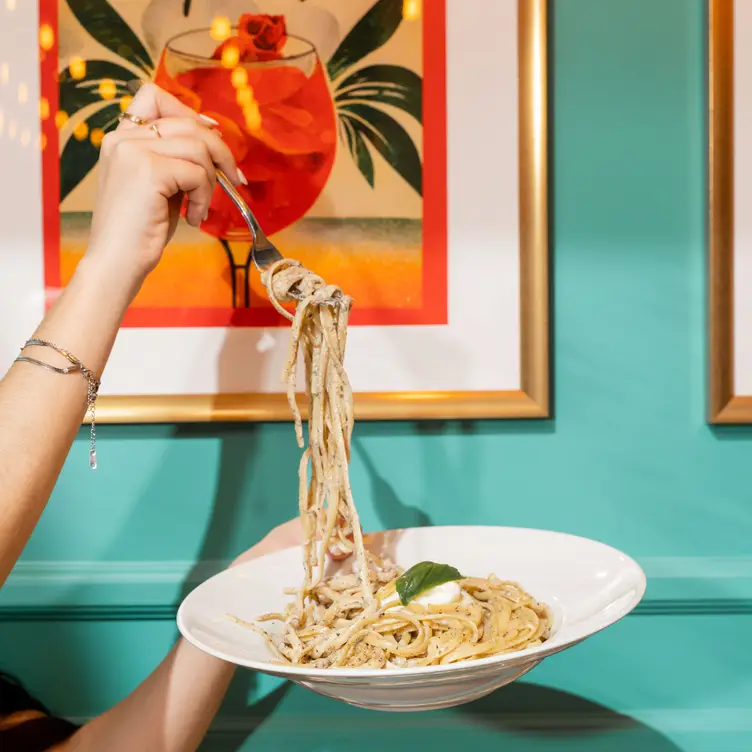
[{"x": 654, "y": 683}]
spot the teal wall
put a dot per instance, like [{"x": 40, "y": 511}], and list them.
[{"x": 628, "y": 460}]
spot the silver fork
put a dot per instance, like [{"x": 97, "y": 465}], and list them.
[{"x": 263, "y": 251}]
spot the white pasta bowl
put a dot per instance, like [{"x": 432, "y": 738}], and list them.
[{"x": 588, "y": 586}]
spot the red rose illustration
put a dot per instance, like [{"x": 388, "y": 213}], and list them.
[
  {"x": 269, "y": 33},
  {"x": 260, "y": 38}
]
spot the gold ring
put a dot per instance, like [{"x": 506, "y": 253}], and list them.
[
  {"x": 133, "y": 118},
  {"x": 153, "y": 126}
]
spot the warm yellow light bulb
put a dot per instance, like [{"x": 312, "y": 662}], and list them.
[
  {"x": 230, "y": 56},
  {"x": 77, "y": 68},
  {"x": 244, "y": 96},
  {"x": 221, "y": 28},
  {"x": 239, "y": 77},
  {"x": 46, "y": 37},
  {"x": 81, "y": 131},
  {"x": 252, "y": 116},
  {"x": 107, "y": 88},
  {"x": 411, "y": 9}
]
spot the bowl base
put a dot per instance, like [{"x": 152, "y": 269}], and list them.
[{"x": 417, "y": 696}]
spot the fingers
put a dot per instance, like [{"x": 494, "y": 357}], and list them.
[
  {"x": 152, "y": 103},
  {"x": 195, "y": 128},
  {"x": 175, "y": 118},
  {"x": 186, "y": 139},
  {"x": 182, "y": 176},
  {"x": 192, "y": 128},
  {"x": 169, "y": 166}
]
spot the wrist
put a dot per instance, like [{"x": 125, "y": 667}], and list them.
[
  {"x": 87, "y": 315},
  {"x": 115, "y": 283}
]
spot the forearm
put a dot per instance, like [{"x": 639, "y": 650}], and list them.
[
  {"x": 169, "y": 712},
  {"x": 41, "y": 411}
]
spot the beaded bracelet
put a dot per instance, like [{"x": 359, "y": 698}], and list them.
[{"x": 91, "y": 380}]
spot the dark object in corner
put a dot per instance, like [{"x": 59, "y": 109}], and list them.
[{"x": 25, "y": 724}]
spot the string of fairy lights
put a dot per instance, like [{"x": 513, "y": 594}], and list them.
[{"x": 220, "y": 30}]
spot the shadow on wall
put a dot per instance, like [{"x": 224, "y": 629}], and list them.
[
  {"x": 548, "y": 719},
  {"x": 248, "y": 498},
  {"x": 731, "y": 432},
  {"x": 392, "y": 512},
  {"x": 521, "y": 717},
  {"x": 257, "y": 489}
]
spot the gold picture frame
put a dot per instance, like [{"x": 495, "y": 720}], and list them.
[
  {"x": 725, "y": 406},
  {"x": 532, "y": 400}
]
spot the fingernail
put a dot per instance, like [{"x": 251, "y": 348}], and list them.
[
  {"x": 206, "y": 216},
  {"x": 242, "y": 178},
  {"x": 207, "y": 119}
]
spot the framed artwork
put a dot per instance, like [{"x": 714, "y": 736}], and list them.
[
  {"x": 396, "y": 147},
  {"x": 730, "y": 161}
]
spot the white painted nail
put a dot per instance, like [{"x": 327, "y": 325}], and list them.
[
  {"x": 210, "y": 121},
  {"x": 243, "y": 179}
]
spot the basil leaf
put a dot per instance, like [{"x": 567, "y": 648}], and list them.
[{"x": 422, "y": 577}]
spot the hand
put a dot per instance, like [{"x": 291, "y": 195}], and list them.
[
  {"x": 144, "y": 177},
  {"x": 284, "y": 536}
]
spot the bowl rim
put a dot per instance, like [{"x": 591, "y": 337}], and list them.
[{"x": 503, "y": 660}]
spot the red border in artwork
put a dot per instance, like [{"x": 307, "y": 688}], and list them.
[
  {"x": 434, "y": 198},
  {"x": 48, "y": 62}
]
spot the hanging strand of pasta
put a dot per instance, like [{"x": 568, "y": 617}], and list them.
[
  {"x": 357, "y": 619},
  {"x": 319, "y": 332}
]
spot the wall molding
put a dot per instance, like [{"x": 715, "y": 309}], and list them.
[{"x": 151, "y": 590}]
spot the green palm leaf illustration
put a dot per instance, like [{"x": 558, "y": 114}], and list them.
[
  {"x": 79, "y": 157},
  {"x": 389, "y": 139},
  {"x": 106, "y": 25},
  {"x": 384, "y": 84},
  {"x": 76, "y": 94},
  {"x": 358, "y": 150},
  {"x": 375, "y": 29}
]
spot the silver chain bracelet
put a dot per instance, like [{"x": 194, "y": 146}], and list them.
[{"x": 92, "y": 381}]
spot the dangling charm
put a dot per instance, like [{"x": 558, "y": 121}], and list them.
[{"x": 91, "y": 406}]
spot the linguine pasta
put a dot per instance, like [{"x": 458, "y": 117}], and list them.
[{"x": 358, "y": 619}]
